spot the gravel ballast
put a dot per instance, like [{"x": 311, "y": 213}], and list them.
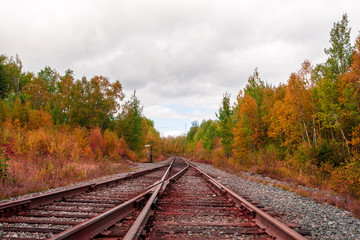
[{"x": 323, "y": 221}]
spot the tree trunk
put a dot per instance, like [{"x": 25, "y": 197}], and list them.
[
  {"x": 302, "y": 133},
  {"x": 306, "y": 131},
  {"x": 343, "y": 135},
  {"x": 314, "y": 129}
]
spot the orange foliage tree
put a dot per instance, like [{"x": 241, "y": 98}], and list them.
[
  {"x": 247, "y": 129},
  {"x": 350, "y": 96}
]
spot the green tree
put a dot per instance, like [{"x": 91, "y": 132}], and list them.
[
  {"x": 4, "y": 83},
  {"x": 255, "y": 87},
  {"x": 130, "y": 122},
  {"x": 50, "y": 78},
  {"x": 340, "y": 51},
  {"x": 62, "y": 101},
  {"x": 210, "y": 136},
  {"x": 13, "y": 74},
  {"x": 225, "y": 118},
  {"x": 327, "y": 77},
  {"x": 193, "y": 129},
  {"x": 85, "y": 103},
  {"x": 10, "y": 75},
  {"x": 206, "y": 134}
]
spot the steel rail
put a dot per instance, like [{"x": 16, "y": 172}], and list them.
[
  {"x": 94, "y": 226},
  {"x": 137, "y": 227},
  {"x": 11, "y": 207},
  {"x": 271, "y": 225}
]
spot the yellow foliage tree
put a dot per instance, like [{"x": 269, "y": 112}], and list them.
[
  {"x": 247, "y": 129},
  {"x": 350, "y": 97},
  {"x": 290, "y": 118}
]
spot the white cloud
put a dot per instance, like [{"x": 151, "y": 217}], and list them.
[
  {"x": 172, "y": 133},
  {"x": 159, "y": 111},
  {"x": 180, "y": 53}
]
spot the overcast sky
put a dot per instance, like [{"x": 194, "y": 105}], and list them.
[{"x": 180, "y": 56}]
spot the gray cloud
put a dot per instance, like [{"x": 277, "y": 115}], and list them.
[{"x": 185, "y": 53}]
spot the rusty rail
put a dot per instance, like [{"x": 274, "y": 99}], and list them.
[
  {"x": 272, "y": 226},
  {"x": 95, "y": 225},
  {"x": 140, "y": 222},
  {"x": 31, "y": 202}
]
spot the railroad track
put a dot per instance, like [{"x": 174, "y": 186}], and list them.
[
  {"x": 44, "y": 216},
  {"x": 179, "y": 202}
]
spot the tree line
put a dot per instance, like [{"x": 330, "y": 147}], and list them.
[
  {"x": 56, "y": 130},
  {"x": 309, "y": 125},
  {"x": 63, "y": 129},
  {"x": 96, "y": 102}
]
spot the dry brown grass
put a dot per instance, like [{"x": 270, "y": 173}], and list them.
[{"x": 27, "y": 177}]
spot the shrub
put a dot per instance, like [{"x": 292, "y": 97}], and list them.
[
  {"x": 21, "y": 143},
  {"x": 64, "y": 147},
  {"x": 200, "y": 152},
  {"x": 39, "y": 118},
  {"x": 346, "y": 179},
  {"x": 110, "y": 142},
  {"x": 218, "y": 156},
  {"x": 96, "y": 142},
  {"x": 39, "y": 142},
  {"x": 329, "y": 152},
  {"x": 121, "y": 147}
]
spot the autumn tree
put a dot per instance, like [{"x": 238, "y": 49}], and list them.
[
  {"x": 20, "y": 111},
  {"x": 247, "y": 128},
  {"x": 298, "y": 101},
  {"x": 291, "y": 116},
  {"x": 249, "y": 131},
  {"x": 38, "y": 93},
  {"x": 284, "y": 125},
  {"x": 350, "y": 97}
]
